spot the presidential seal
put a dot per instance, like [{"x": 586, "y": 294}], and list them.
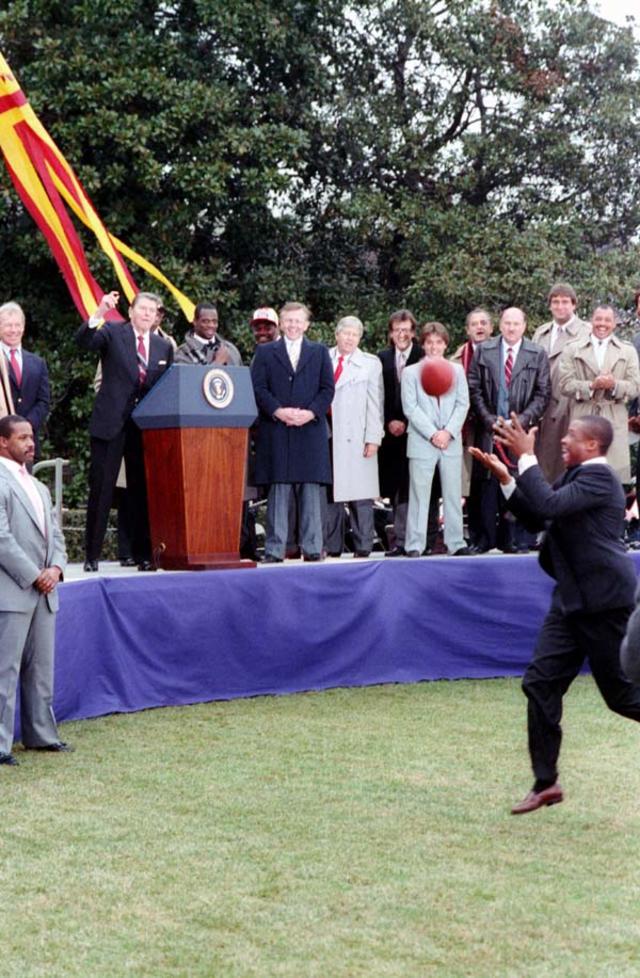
[{"x": 217, "y": 388}]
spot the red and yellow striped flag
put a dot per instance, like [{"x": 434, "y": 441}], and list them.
[{"x": 47, "y": 186}]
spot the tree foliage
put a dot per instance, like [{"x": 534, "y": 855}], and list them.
[{"x": 436, "y": 153}]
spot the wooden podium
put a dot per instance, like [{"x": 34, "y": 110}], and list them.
[{"x": 195, "y": 423}]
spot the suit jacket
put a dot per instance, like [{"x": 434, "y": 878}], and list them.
[
  {"x": 582, "y": 549},
  {"x": 427, "y": 414},
  {"x": 464, "y": 355},
  {"x": 578, "y": 367},
  {"x": 287, "y": 453},
  {"x": 393, "y": 467},
  {"x": 120, "y": 389},
  {"x": 356, "y": 419},
  {"x": 31, "y": 398},
  {"x": 555, "y": 420},
  {"x": 529, "y": 390},
  {"x": 191, "y": 351},
  {"x": 24, "y": 550}
]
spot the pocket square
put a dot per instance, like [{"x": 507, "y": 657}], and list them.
[{"x": 162, "y": 363}]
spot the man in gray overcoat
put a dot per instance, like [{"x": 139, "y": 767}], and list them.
[{"x": 357, "y": 427}]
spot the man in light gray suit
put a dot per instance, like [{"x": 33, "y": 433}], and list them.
[{"x": 32, "y": 561}]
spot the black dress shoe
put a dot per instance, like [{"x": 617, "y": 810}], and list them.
[
  {"x": 462, "y": 552},
  {"x": 271, "y": 559},
  {"x": 362, "y": 553},
  {"x": 128, "y": 562},
  {"x": 9, "y": 759},
  {"x": 90, "y": 566},
  {"x": 413, "y": 553},
  {"x": 146, "y": 565},
  {"x": 312, "y": 558},
  {"x": 396, "y": 552},
  {"x": 60, "y": 747},
  {"x": 538, "y": 799}
]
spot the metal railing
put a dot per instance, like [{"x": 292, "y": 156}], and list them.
[{"x": 57, "y": 464}]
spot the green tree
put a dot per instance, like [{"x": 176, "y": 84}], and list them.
[{"x": 360, "y": 156}]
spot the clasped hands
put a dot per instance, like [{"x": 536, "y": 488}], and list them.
[
  {"x": 441, "y": 439},
  {"x": 605, "y": 382},
  {"x": 514, "y": 438},
  {"x": 47, "y": 579},
  {"x": 293, "y": 416}
]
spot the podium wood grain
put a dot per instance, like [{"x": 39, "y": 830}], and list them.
[{"x": 195, "y": 481}]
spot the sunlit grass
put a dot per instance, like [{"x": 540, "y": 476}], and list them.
[{"x": 359, "y": 832}]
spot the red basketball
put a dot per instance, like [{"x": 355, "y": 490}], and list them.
[{"x": 437, "y": 376}]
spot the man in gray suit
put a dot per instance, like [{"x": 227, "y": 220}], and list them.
[{"x": 32, "y": 561}]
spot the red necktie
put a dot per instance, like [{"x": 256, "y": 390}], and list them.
[
  {"x": 142, "y": 361},
  {"x": 15, "y": 366},
  {"x": 508, "y": 366},
  {"x": 338, "y": 371}
]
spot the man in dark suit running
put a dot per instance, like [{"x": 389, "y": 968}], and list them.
[{"x": 582, "y": 550}]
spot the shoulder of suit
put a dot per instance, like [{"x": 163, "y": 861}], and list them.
[
  {"x": 414, "y": 368},
  {"x": 367, "y": 358},
  {"x": 541, "y": 330},
  {"x": 493, "y": 343},
  {"x": 622, "y": 343},
  {"x": 28, "y": 355},
  {"x": 531, "y": 347}
]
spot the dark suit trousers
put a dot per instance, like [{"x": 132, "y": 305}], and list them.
[
  {"x": 564, "y": 642},
  {"x": 106, "y": 457}
]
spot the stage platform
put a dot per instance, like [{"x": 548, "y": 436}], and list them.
[{"x": 128, "y": 640}]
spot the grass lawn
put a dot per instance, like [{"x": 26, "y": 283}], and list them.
[{"x": 360, "y": 832}]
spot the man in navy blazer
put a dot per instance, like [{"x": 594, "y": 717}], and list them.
[
  {"x": 28, "y": 374},
  {"x": 133, "y": 358},
  {"x": 294, "y": 386},
  {"x": 582, "y": 550},
  {"x": 393, "y": 465}
]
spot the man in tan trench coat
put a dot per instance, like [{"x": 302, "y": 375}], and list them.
[
  {"x": 600, "y": 374},
  {"x": 565, "y": 327}
]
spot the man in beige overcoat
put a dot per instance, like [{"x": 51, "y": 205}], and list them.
[
  {"x": 600, "y": 374},
  {"x": 565, "y": 327},
  {"x": 357, "y": 427}
]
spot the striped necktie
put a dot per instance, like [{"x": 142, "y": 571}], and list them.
[{"x": 508, "y": 366}]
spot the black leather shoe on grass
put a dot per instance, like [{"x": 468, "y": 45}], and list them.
[{"x": 61, "y": 747}]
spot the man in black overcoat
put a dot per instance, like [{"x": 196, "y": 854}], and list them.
[{"x": 294, "y": 387}]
